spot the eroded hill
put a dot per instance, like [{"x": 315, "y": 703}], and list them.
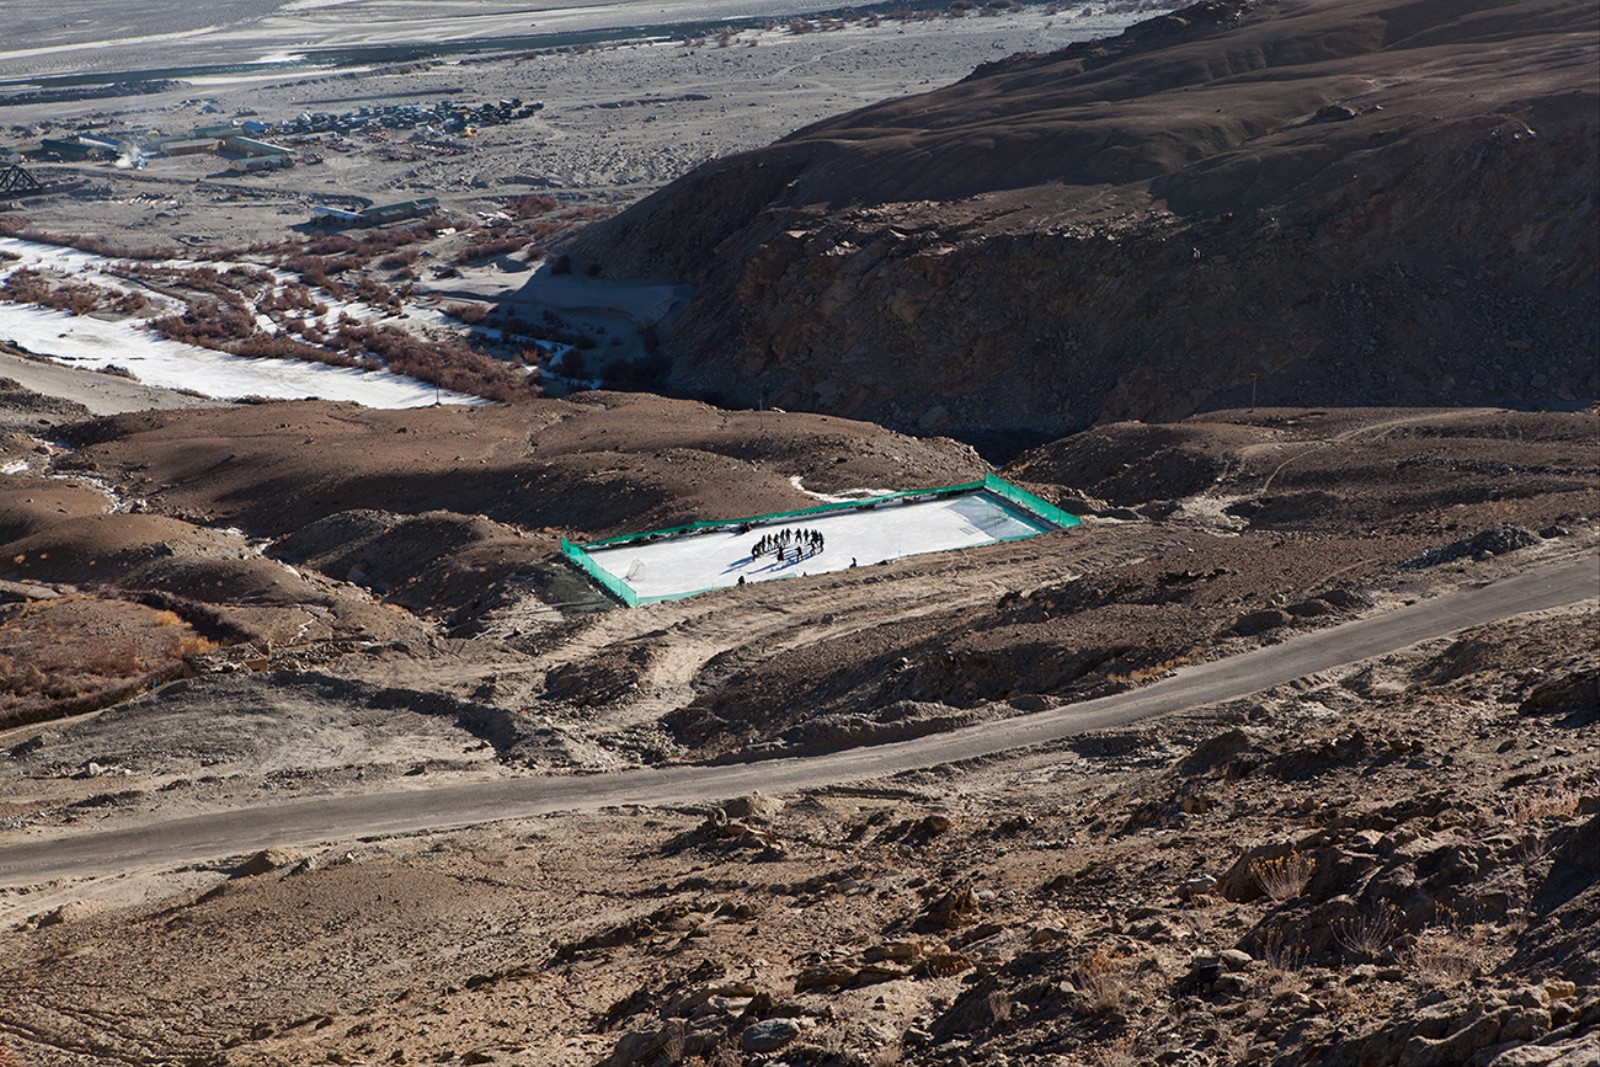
[{"x": 1380, "y": 202}]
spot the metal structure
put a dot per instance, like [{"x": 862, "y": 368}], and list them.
[{"x": 16, "y": 182}]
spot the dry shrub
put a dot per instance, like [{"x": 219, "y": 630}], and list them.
[
  {"x": 81, "y": 653},
  {"x": 1522, "y": 810},
  {"x": 1281, "y": 953},
  {"x": 1452, "y": 951},
  {"x": 117, "y": 658},
  {"x": 192, "y": 645},
  {"x": 361, "y": 245},
  {"x": 452, "y": 365},
  {"x": 100, "y": 246},
  {"x": 1102, "y": 986},
  {"x": 208, "y": 620},
  {"x": 1283, "y": 877},
  {"x": 377, "y": 294},
  {"x": 1151, "y": 670},
  {"x": 1366, "y": 935},
  {"x": 1524, "y": 814},
  {"x": 233, "y": 287},
  {"x": 28, "y": 286},
  {"x": 471, "y": 314},
  {"x": 1119, "y": 1053},
  {"x": 130, "y": 304},
  {"x": 1450, "y": 955},
  {"x": 524, "y": 207},
  {"x": 489, "y": 247}
]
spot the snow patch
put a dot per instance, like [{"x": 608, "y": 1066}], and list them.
[{"x": 848, "y": 496}]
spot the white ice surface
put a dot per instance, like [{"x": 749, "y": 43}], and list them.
[
  {"x": 94, "y": 343},
  {"x": 718, "y": 558}
]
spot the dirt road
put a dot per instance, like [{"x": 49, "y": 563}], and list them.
[{"x": 209, "y": 836}]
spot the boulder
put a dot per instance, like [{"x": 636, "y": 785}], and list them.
[
  {"x": 265, "y": 861},
  {"x": 757, "y": 807},
  {"x": 74, "y": 911},
  {"x": 769, "y": 1035},
  {"x": 1256, "y": 622}
]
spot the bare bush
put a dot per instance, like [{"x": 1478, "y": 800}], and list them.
[
  {"x": 16, "y": 227},
  {"x": 451, "y": 365},
  {"x": 27, "y": 286},
  {"x": 524, "y": 207},
  {"x": 1283, "y": 877},
  {"x": 471, "y": 314},
  {"x": 402, "y": 258},
  {"x": 1102, "y": 986},
  {"x": 489, "y": 247},
  {"x": 1281, "y": 953},
  {"x": 1450, "y": 955},
  {"x": 1369, "y": 933},
  {"x": 208, "y": 620}
]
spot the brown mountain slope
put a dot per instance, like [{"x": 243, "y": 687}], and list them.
[{"x": 1381, "y": 201}]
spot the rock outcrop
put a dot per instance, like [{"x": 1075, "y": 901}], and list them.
[{"x": 1387, "y": 201}]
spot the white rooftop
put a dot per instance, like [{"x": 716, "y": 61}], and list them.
[{"x": 717, "y": 558}]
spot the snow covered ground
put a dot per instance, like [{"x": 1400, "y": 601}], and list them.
[
  {"x": 91, "y": 343},
  {"x": 95, "y": 343},
  {"x": 719, "y": 558}
]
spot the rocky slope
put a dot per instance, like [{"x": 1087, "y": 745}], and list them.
[
  {"x": 1383, "y": 201},
  {"x": 1388, "y": 863}
]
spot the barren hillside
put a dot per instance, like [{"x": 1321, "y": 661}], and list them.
[
  {"x": 1384, "y": 863},
  {"x": 1305, "y": 202}
]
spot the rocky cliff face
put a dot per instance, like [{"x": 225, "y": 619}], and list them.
[{"x": 1312, "y": 203}]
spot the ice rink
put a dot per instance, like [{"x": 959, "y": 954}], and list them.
[{"x": 714, "y": 559}]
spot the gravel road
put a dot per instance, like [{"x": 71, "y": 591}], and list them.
[{"x": 25, "y": 861}]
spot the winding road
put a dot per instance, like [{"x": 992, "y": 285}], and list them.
[{"x": 32, "y": 858}]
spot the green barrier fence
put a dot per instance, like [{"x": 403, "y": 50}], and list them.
[
  {"x": 578, "y": 553},
  {"x": 598, "y": 574},
  {"x": 1028, "y": 502}
]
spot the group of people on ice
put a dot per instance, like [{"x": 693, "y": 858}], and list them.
[{"x": 790, "y": 546}]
